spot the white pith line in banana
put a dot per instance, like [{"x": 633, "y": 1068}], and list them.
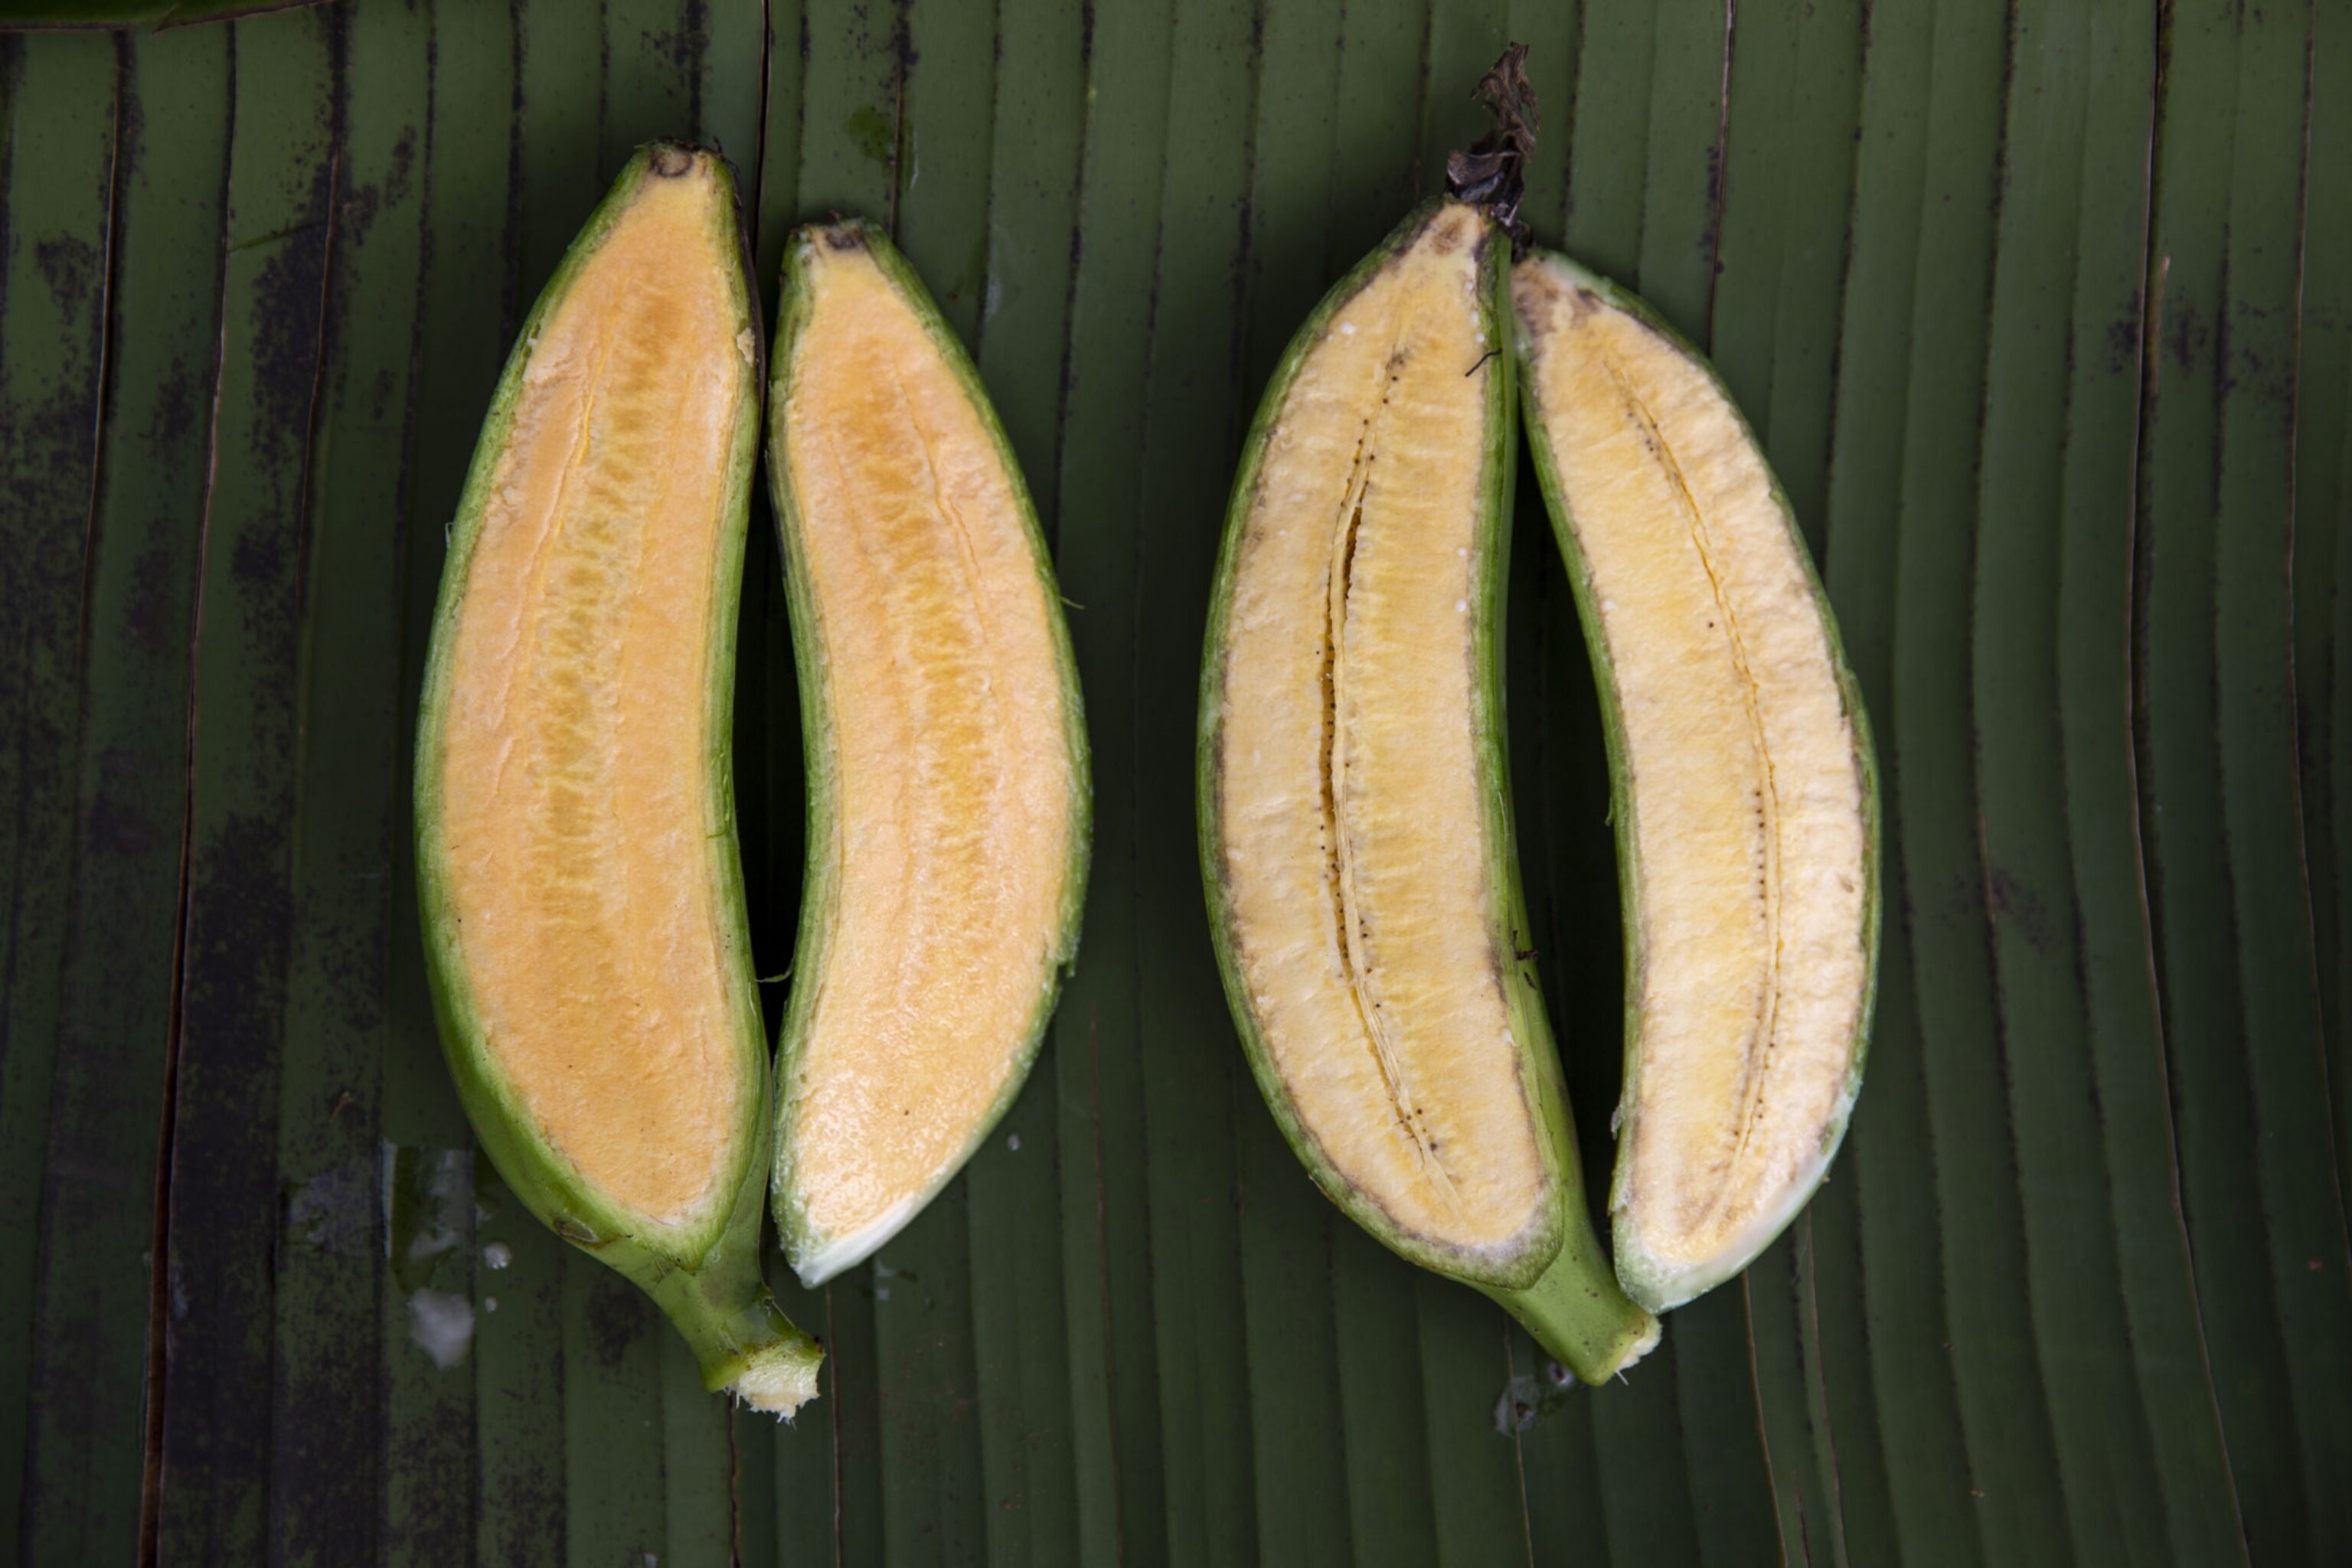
[{"x": 1361, "y": 989}]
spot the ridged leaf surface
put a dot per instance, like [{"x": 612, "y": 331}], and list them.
[{"x": 2043, "y": 313}]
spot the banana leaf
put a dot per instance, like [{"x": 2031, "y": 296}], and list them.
[
  {"x": 155, "y": 14},
  {"x": 2044, "y": 316}
]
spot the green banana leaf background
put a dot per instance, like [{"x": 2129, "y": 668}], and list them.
[{"x": 2045, "y": 312}]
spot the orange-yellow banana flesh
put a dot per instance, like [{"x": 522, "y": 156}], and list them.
[
  {"x": 578, "y": 833},
  {"x": 955, "y": 792}
]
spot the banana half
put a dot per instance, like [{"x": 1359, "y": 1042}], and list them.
[
  {"x": 948, "y": 824},
  {"x": 1355, "y": 830},
  {"x": 1746, "y": 795}
]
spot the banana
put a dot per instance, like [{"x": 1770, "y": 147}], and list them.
[
  {"x": 581, "y": 888},
  {"x": 1746, "y": 793},
  {"x": 1356, "y": 832},
  {"x": 947, "y": 754}
]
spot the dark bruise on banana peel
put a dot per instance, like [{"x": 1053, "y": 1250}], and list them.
[
  {"x": 1356, "y": 832},
  {"x": 948, "y": 793},
  {"x": 579, "y": 885},
  {"x": 1745, "y": 793}
]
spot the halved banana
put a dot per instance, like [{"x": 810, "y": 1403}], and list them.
[
  {"x": 1356, "y": 832},
  {"x": 1746, "y": 796}
]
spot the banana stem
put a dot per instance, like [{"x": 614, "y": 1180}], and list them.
[
  {"x": 741, "y": 1339},
  {"x": 1579, "y": 1314}
]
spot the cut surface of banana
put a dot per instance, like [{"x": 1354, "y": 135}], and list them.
[{"x": 1746, "y": 798}]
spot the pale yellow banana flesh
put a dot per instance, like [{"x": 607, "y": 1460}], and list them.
[
  {"x": 1745, "y": 777},
  {"x": 1354, "y": 838}
]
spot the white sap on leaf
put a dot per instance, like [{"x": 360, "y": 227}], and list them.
[
  {"x": 335, "y": 1209},
  {"x": 428, "y": 1202},
  {"x": 441, "y": 1325}
]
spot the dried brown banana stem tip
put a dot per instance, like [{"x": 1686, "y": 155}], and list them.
[{"x": 1492, "y": 173}]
